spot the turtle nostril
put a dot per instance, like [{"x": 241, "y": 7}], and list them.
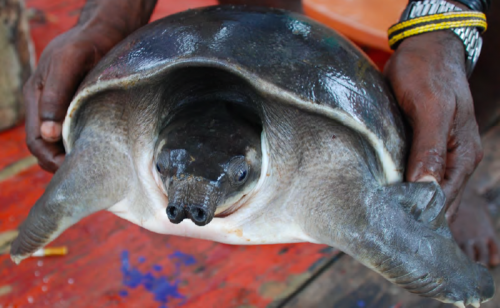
[
  {"x": 199, "y": 215},
  {"x": 175, "y": 213}
]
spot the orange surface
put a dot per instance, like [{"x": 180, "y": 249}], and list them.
[{"x": 364, "y": 21}]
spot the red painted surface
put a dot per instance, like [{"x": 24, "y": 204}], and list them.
[
  {"x": 379, "y": 57},
  {"x": 91, "y": 275},
  {"x": 12, "y": 146},
  {"x": 96, "y": 273}
]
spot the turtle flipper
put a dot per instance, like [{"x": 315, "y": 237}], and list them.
[
  {"x": 452, "y": 277},
  {"x": 424, "y": 202},
  {"x": 82, "y": 186},
  {"x": 399, "y": 231}
]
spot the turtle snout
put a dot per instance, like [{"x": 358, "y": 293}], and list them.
[
  {"x": 199, "y": 215},
  {"x": 175, "y": 213},
  {"x": 194, "y": 198}
]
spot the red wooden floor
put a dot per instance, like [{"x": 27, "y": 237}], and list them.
[{"x": 114, "y": 263}]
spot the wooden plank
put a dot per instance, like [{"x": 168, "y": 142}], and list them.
[
  {"x": 18, "y": 194},
  {"x": 347, "y": 283},
  {"x": 17, "y": 167},
  {"x": 12, "y": 146}
]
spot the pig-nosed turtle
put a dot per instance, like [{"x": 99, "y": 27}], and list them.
[{"x": 263, "y": 126}]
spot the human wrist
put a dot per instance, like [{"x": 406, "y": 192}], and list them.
[
  {"x": 450, "y": 17},
  {"x": 114, "y": 19},
  {"x": 443, "y": 43},
  {"x": 442, "y": 39}
]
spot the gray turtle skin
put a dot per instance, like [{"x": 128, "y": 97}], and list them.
[{"x": 328, "y": 168}]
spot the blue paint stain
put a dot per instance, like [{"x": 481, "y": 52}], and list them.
[
  {"x": 123, "y": 293},
  {"x": 361, "y": 303},
  {"x": 184, "y": 258},
  {"x": 162, "y": 288}
]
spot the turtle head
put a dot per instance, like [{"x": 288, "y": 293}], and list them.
[{"x": 207, "y": 160}]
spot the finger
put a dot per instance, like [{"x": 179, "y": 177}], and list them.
[
  {"x": 427, "y": 159},
  {"x": 494, "y": 247},
  {"x": 461, "y": 162},
  {"x": 464, "y": 147},
  {"x": 31, "y": 92},
  {"x": 454, "y": 183},
  {"x": 50, "y": 156},
  {"x": 483, "y": 254},
  {"x": 452, "y": 210},
  {"x": 64, "y": 75}
]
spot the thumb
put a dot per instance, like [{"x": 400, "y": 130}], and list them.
[{"x": 63, "y": 77}]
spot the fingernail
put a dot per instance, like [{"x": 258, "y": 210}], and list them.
[
  {"x": 427, "y": 178},
  {"x": 51, "y": 131}
]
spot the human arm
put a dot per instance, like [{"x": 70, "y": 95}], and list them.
[{"x": 428, "y": 76}]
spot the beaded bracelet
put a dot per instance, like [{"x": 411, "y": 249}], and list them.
[{"x": 435, "y": 22}]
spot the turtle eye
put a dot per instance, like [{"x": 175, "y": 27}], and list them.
[
  {"x": 238, "y": 170},
  {"x": 162, "y": 163},
  {"x": 242, "y": 175}
]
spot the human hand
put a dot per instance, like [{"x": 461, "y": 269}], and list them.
[
  {"x": 48, "y": 92},
  {"x": 428, "y": 77},
  {"x": 65, "y": 62}
]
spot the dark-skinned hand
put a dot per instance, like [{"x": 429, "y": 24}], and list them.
[
  {"x": 63, "y": 65},
  {"x": 48, "y": 92},
  {"x": 427, "y": 75}
]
